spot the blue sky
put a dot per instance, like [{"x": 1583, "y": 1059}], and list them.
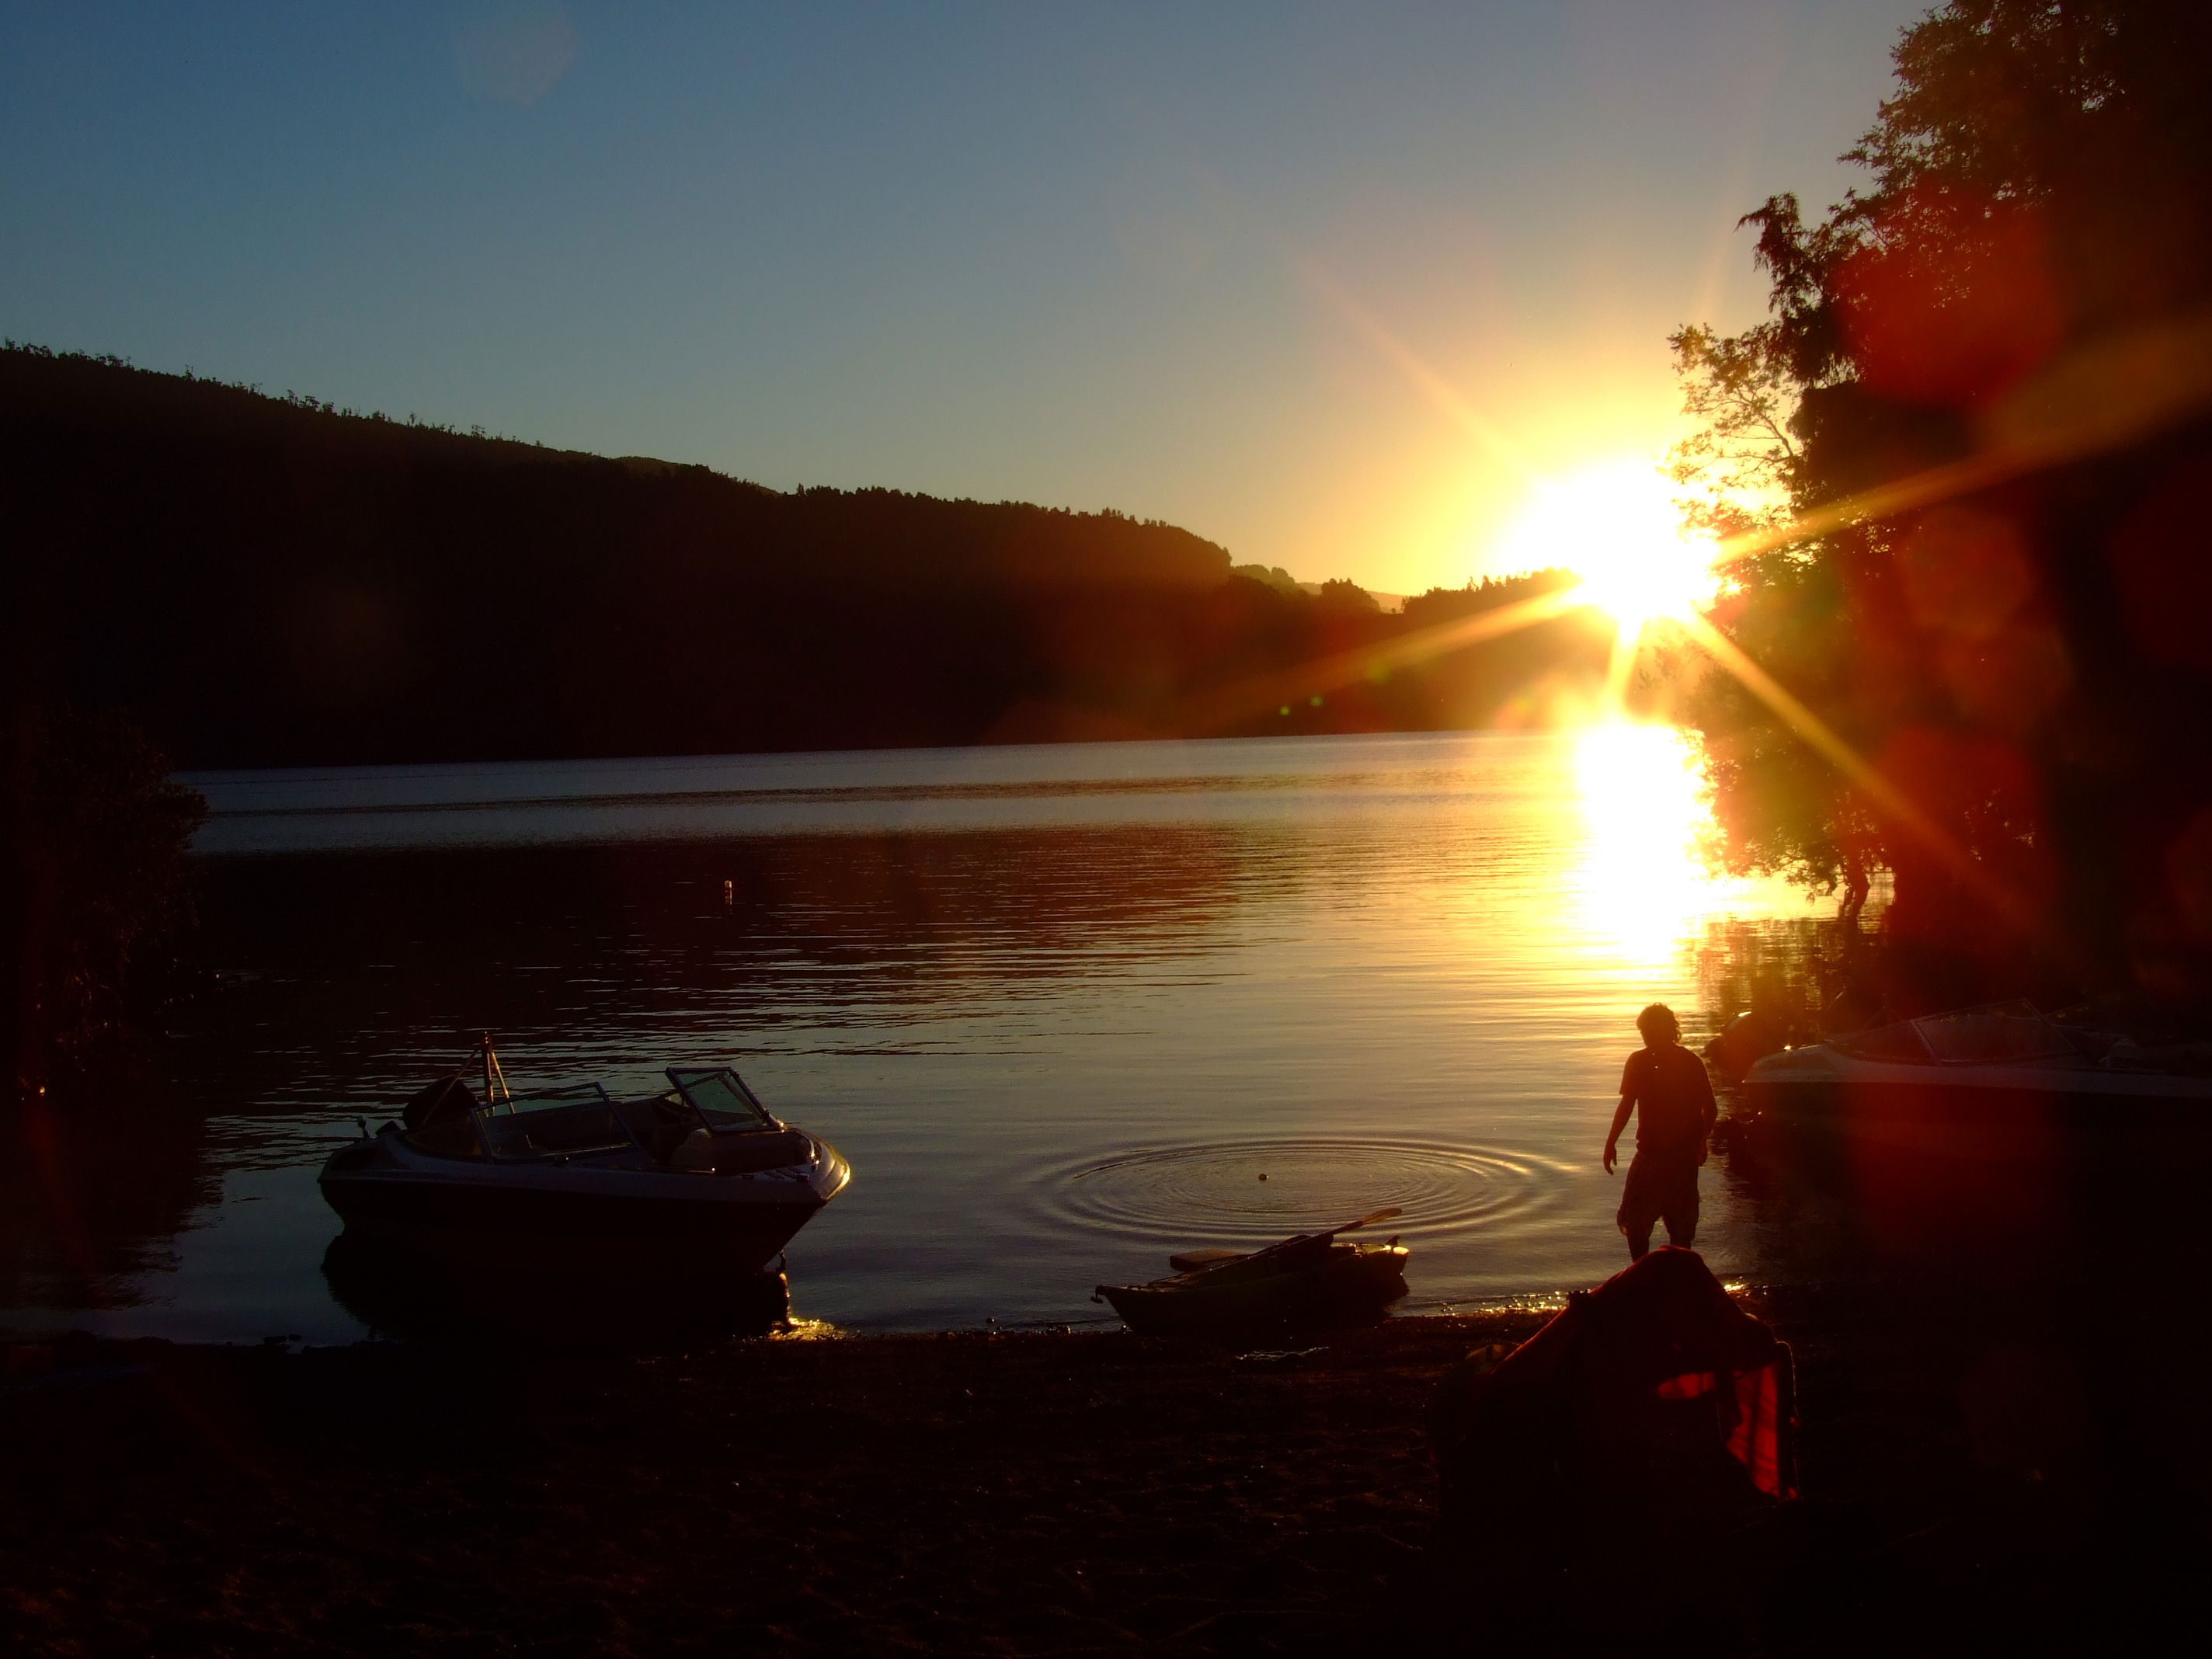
[{"x": 1212, "y": 263}]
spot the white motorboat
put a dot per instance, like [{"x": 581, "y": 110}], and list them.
[
  {"x": 702, "y": 1175},
  {"x": 2000, "y": 1082}
]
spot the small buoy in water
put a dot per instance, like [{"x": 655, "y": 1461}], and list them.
[
  {"x": 1263, "y": 1175},
  {"x": 729, "y": 891}
]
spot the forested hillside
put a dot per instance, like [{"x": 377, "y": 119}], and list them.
[{"x": 271, "y": 582}]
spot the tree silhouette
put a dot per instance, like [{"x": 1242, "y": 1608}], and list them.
[
  {"x": 92, "y": 884},
  {"x": 1976, "y": 395}
]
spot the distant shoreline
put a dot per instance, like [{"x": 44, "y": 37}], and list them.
[
  {"x": 271, "y": 583},
  {"x": 829, "y": 792}
]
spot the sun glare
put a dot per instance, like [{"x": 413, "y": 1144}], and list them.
[
  {"x": 1615, "y": 526},
  {"x": 1642, "y": 880},
  {"x": 1641, "y": 886}
]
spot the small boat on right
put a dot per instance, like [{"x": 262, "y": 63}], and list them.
[
  {"x": 1308, "y": 1279},
  {"x": 2000, "y": 1082}
]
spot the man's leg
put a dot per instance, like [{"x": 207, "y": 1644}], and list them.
[
  {"x": 1681, "y": 1217},
  {"x": 1640, "y": 1206}
]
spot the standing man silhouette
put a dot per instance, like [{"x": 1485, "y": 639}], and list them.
[{"x": 1665, "y": 1084}]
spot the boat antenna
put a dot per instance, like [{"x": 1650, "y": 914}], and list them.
[{"x": 494, "y": 1076}]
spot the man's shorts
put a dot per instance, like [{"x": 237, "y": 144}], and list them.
[{"x": 1660, "y": 1189}]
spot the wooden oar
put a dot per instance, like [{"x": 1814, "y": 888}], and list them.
[
  {"x": 1189, "y": 1261},
  {"x": 1200, "y": 1261},
  {"x": 1390, "y": 1215}
]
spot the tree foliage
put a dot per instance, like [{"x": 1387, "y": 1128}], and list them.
[
  {"x": 93, "y": 892},
  {"x": 2002, "y": 650},
  {"x": 1339, "y": 592},
  {"x": 1740, "y": 469}
]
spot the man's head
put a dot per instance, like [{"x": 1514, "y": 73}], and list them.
[{"x": 1659, "y": 1026}]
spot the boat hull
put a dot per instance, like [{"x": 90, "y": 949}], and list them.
[
  {"x": 2011, "y": 1119},
  {"x": 1968, "y": 1164},
  {"x": 479, "y": 1289},
  {"x": 726, "y": 1224},
  {"x": 744, "y": 1240}
]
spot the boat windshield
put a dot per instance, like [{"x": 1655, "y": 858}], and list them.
[
  {"x": 2001, "y": 1031},
  {"x": 1999, "y": 1034},
  {"x": 721, "y": 1097},
  {"x": 544, "y": 1123},
  {"x": 1885, "y": 1042}
]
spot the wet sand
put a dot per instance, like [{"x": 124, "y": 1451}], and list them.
[{"x": 974, "y": 1493}]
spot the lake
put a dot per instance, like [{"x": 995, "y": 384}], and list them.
[{"x": 1065, "y": 1008}]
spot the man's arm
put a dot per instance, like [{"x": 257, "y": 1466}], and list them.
[
  {"x": 1612, "y": 1135},
  {"x": 1709, "y": 1109}
]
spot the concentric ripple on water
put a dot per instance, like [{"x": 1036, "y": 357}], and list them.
[{"x": 1216, "y": 1190}]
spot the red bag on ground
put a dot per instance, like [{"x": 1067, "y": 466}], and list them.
[{"x": 1653, "y": 1395}]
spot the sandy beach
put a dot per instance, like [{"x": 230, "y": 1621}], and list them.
[{"x": 1014, "y": 1494}]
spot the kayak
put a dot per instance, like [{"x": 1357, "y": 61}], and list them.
[
  {"x": 1338, "y": 1283},
  {"x": 1308, "y": 1279}
]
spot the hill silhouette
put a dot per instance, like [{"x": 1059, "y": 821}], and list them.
[{"x": 263, "y": 581}]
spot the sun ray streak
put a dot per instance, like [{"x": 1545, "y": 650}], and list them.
[
  {"x": 1265, "y": 691},
  {"x": 1627, "y": 640},
  {"x": 1445, "y": 397},
  {"x": 1886, "y": 796},
  {"x": 2096, "y": 399}
]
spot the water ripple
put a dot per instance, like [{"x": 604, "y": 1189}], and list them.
[{"x": 1256, "y": 1190}]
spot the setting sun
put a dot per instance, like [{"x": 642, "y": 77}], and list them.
[{"x": 1616, "y": 524}]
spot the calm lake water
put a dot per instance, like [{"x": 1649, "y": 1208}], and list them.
[{"x": 1062, "y": 1007}]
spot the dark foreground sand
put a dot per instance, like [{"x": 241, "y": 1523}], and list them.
[{"x": 974, "y": 1494}]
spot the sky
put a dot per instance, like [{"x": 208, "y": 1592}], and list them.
[{"x": 1335, "y": 286}]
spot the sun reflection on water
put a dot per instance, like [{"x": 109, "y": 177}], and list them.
[{"x": 1642, "y": 881}]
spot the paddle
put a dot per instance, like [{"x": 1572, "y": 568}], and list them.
[
  {"x": 1198, "y": 1262},
  {"x": 1390, "y": 1215}
]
